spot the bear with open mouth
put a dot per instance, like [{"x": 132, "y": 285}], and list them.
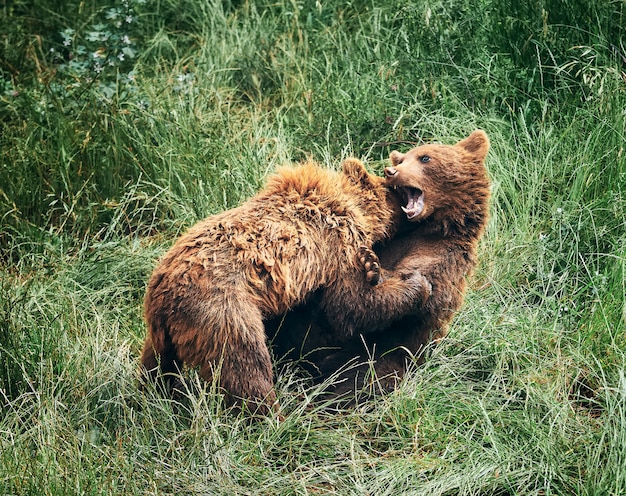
[
  {"x": 308, "y": 230},
  {"x": 444, "y": 191}
]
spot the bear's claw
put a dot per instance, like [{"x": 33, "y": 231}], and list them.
[{"x": 369, "y": 260}]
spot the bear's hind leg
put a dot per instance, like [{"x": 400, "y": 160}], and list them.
[
  {"x": 245, "y": 372},
  {"x": 162, "y": 368}
]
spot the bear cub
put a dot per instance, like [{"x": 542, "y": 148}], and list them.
[
  {"x": 207, "y": 300},
  {"x": 445, "y": 193}
]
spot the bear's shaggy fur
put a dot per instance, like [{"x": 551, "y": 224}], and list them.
[
  {"x": 207, "y": 299},
  {"x": 445, "y": 191}
]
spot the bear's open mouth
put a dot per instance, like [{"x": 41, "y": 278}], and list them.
[{"x": 414, "y": 198}]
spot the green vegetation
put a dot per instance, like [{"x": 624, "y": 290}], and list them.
[{"x": 124, "y": 121}]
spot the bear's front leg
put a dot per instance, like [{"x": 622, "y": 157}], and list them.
[
  {"x": 353, "y": 306},
  {"x": 420, "y": 284}
]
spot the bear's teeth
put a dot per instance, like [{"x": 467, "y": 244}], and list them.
[
  {"x": 411, "y": 210},
  {"x": 415, "y": 205}
]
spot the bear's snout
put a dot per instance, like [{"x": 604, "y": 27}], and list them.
[{"x": 390, "y": 171}]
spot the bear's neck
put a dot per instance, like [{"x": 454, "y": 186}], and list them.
[{"x": 465, "y": 224}]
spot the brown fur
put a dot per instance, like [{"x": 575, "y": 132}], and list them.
[
  {"x": 207, "y": 299},
  {"x": 437, "y": 247}
]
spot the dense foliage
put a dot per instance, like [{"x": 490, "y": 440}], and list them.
[{"x": 124, "y": 121}]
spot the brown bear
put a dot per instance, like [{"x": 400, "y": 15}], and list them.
[
  {"x": 445, "y": 191},
  {"x": 207, "y": 299}
]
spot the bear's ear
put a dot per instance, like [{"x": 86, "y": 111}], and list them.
[
  {"x": 476, "y": 143},
  {"x": 396, "y": 157},
  {"x": 355, "y": 170}
]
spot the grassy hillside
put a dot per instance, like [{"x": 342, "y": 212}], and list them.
[{"x": 123, "y": 122}]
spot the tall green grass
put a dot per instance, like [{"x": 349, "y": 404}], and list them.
[{"x": 105, "y": 159}]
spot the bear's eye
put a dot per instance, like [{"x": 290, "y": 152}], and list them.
[{"x": 424, "y": 159}]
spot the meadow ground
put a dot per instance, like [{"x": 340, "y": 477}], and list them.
[{"x": 124, "y": 122}]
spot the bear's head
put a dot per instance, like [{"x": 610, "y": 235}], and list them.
[{"x": 446, "y": 183}]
